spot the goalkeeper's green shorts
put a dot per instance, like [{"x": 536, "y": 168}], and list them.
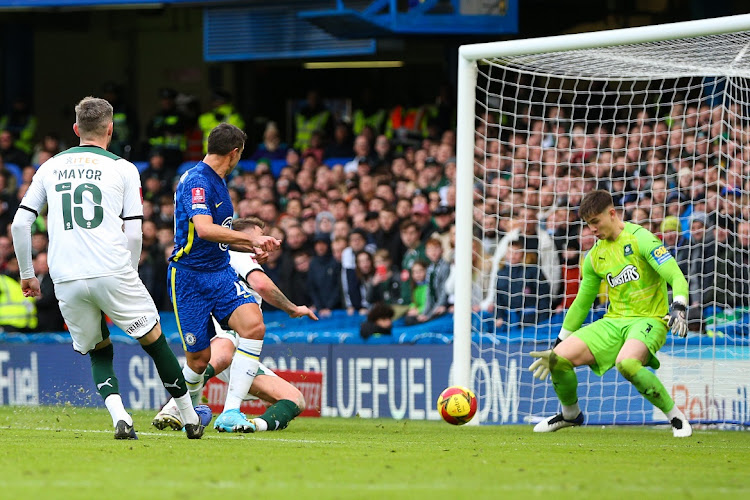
[{"x": 605, "y": 338}]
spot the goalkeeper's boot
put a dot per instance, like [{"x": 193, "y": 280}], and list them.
[
  {"x": 124, "y": 431},
  {"x": 681, "y": 427},
  {"x": 233, "y": 421},
  {"x": 169, "y": 416},
  {"x": 557, "y": 422}
]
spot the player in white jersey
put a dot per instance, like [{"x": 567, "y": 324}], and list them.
[
  {"x": 94, "y": 213},
  {"x": 285, "y": 400}
]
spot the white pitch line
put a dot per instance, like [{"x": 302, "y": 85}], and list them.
[{"x": 256, "y": 436}]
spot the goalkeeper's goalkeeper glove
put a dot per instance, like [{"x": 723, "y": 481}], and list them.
[
  {"x": 677, "y": 317},
  {"x": 540, "y": 367}
]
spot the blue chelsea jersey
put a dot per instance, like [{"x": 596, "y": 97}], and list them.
[{"x": 200, "y": 192}]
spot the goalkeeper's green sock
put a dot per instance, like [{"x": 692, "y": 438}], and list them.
[
  {"x": 647, "y": 383},
  {"x": 277, "y": 416},
  {"x": 565, "y": 382}
]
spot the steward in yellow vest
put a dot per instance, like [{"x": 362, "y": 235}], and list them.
[
  {"x": 17, "y": 313},
  {"x": 222, "y": 112}
]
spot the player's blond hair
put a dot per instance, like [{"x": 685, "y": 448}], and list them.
[{"x": 93, "y": 116}]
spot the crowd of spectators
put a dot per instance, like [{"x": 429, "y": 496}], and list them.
[{"x": 373, "y": 233}]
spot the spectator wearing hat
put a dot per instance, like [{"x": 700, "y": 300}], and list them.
[
  {"x": 422, "y": 217},
  {"x": 444, "y": 220},
  {"x": 166, "y": 130},
  {"x": 324, "y": 277},
  {"x": 371, "y": 227},
  {"x": 222, "y": 111},
  {"x": 324, "y": 222}
]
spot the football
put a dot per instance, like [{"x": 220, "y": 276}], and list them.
[{"x": 457, "y": 405}]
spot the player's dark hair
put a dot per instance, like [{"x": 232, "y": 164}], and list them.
[
  {"x": 595, "y": 203},
  {"x": 246, "y": 222},
  {"x": 224, "y": 138},
  {"x": 93, "y": 116}
]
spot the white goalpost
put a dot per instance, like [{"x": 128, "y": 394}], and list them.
[{"x": 660, "y": 117}]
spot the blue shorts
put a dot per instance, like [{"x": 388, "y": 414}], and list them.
[{"x": 197, "y": 295}]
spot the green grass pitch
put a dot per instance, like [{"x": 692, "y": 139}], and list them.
[{"x": 67, "y": 452}]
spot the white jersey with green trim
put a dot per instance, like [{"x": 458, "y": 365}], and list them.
[{"x": 89, "y": 192}]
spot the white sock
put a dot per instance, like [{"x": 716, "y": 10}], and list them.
[
  {"x": 570, "y": 412},
  {"x": 675, "y": 412},
  {"x": 242, "y": 372},
  {"x": 260, "y": 425},
  {"x": 187, "y": 412},
  {"x": 194, "y": 383},
  {"x": 117, "y": 410}
]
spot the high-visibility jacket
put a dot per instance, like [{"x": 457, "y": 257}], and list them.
[
  {"x": 221, "y": 114},
  {"x": 306, "y": 126},
  {"x": 167, "y": 131},
  {"x": 24, "y": 132},
  {"x": 375, "y": 120},
  {"x": 16, "y": 311}
]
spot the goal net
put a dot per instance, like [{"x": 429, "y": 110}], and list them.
[{"x": 658, "y": 116}]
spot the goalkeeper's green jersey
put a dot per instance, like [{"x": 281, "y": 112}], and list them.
[{"x": 636, "y": 268}]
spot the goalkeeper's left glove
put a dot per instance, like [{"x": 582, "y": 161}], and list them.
[
  {"x": 540, "y": 366},
  {"x": 677, "y": 317}
]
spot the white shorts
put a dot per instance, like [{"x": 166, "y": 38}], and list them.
[
  {"x": 124, "y": 299},
  {"x": 232, "y": 336}
]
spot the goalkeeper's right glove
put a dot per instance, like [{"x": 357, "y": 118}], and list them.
[
  {"x": 677, "y": 317},
  {"x": 540, "y": 367}
]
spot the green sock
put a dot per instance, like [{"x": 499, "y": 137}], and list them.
[
  {"x": 278, "y": 415},
  {"x": 647, "y": 383},
  {"x": 103, "y": 371},
  {"x": 564, "y": 379},
  {"x": 210, "y": 372},
  {"x": 167, "y": 366}
]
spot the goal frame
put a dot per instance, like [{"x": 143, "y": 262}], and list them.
[{"x": 468, "y": 55}]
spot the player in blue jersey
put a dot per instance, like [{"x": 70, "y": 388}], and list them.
[{"x": 201, "y": 281}]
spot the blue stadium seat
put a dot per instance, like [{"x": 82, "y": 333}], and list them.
[
  {"x": 141, "y": 165},
  {"x": 247, "y": 165},
  {"x": 185, "y": 166},
  {"x": 15, "y": 170},
  {"x": 330, "y": 162}
]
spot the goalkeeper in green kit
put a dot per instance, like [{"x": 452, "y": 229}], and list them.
[{"x": 637, "y": 268}]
